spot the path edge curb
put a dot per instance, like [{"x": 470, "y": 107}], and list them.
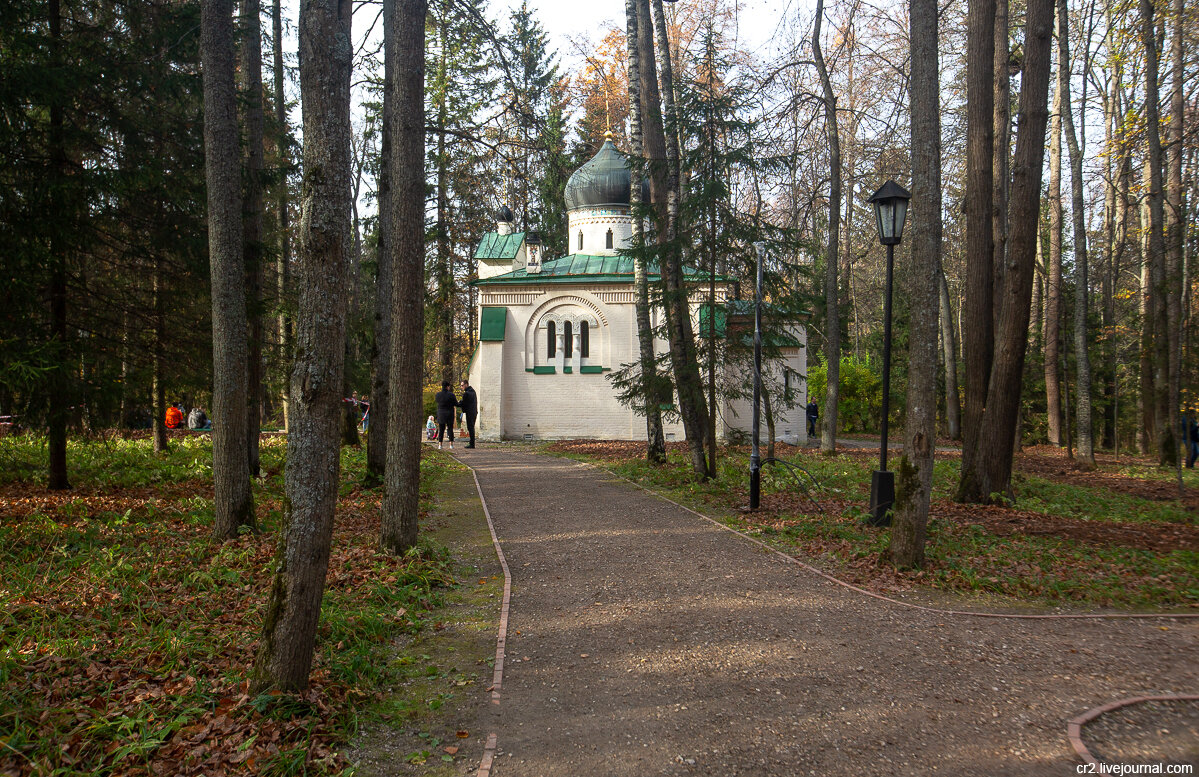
[
  {"x": 1074, "y": 726},
  {"x": 497, "y": 677}
]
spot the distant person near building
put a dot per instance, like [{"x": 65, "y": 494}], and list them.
[
  {"x": 813, "y": 413},
  {"x": 470, "y": 410},
  {"x": 446, "y": 402}
]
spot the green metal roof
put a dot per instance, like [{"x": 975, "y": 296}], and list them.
[
  {"x": 591, "y": 268},
  {"x": 491, "y": 324},
  {"x": 497, "y": 246}
]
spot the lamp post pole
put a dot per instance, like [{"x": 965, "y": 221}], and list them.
[
  {"x": 755, "y": 458},
  {"x": 882, "y": 453},
  {"x": 890, "y": 209}
]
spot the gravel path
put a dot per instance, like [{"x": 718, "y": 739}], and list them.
[{"x": 645, "y": 641}]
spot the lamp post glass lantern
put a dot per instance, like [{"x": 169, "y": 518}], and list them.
[
  {"x": 890, "y": 211},
  {"x": 533, "y": 247}
]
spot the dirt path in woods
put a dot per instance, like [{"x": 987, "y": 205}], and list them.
[{"x": 643, "y": 640}]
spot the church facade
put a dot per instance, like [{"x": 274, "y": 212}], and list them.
[{"x": 551, "y": 329}]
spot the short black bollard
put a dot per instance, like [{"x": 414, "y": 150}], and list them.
[{"x": 882, "y": 496}]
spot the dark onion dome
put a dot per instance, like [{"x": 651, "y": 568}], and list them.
[
  {"x": 602, "y": 181},
  {"x": 504, "y": 214}
]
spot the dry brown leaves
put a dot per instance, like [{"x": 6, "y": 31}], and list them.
[{"x": 82, "y": 700}]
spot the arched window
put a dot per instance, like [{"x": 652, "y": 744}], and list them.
[
  {"x": 580, "y": 240},
  {"x": 568, "y": 341},
  {"x": 551, "y": 336},
  {"x": 584, "y": 336},
  {"x": 608, "y": 240}
]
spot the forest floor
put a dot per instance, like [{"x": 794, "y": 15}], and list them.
[
  {"x": 127, "y": 632},
  {"x": 644, "y": 640}
]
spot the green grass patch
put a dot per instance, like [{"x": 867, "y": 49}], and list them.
[
  {"x": 961, "y": 556},
  {"x": 1094, "y": 504}
]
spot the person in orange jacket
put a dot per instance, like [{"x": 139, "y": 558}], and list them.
[{"x": 174, "y": 417}]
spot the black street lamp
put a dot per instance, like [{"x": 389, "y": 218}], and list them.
[
  {"x": 890, "y": 209},
  {"x": 755, "y": 458}
]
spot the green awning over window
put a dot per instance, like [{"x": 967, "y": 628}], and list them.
[{"x": 491, "y": 324}]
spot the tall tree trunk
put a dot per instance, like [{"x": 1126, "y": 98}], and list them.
[
  {"x": 1082, "y": 361},
  {"x": 663, "y": 164},
  {"x": 376, "y": 440},
  {"x": 1174, "y": 222},
  {"x": 445, "y": 266},
  {"x": 251, "y": 70},
  {"x": 1053, "y": 292},
  {"x": 1146, "y": 434},
  {"x": 234, "y": 502},
  {"x": 993, "y": 454},
  {"x": 407, "y": 203},
  {"x": 1038, "y": 296},
  {"x": 978, "y": 307},
  {"x": 313, "y": 455},
  {"x": 126, "y": 374},
  {"x": 1109, "y": 274},
  {"x": 828, "y": 437},
  {"x": 158, "y": 379},
  {"x": 949, "y": 344},
  {"x": 915, "y": 470},
  {"x": 1164, "y": 418},
  {"x": 1001, "y": 161},
  {"x": 655, "y": 442},
  {"x": 283, "y": 266},
  {"x": 58, "y": 386}
]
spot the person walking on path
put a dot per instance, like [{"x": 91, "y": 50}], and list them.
[
  {"x": 470, "y": 410},
  {"x": 813, "y": 413},
  {"x": 446, "y": 402}
]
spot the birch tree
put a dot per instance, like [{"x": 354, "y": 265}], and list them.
[{"x": 655, "y": 441}]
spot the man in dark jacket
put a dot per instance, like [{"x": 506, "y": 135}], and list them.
[
  {"x": 470, "y": 409},
  {"x": 446, "y": 402},
  {"x": 813, "y": 413}
]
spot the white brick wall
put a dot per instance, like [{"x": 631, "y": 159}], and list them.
[{"x": 514, "y": 402}]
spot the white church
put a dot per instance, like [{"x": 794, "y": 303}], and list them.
[{"x": 551, "y": 329}]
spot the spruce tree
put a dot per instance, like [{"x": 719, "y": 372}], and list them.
[
  {"x": 460, "y": 86},
  {"x": 531, "y": 74}
]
